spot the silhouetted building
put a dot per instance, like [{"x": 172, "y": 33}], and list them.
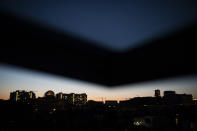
[
  {"x": 125, "y": 102},
  {"x": 61, "y": 96},
  {"x": 170, "y": 97},
  {"x": 49, "y": 94},
  {"x": 95, "y": 103},
  {"x": 157, "y": 93},
  {"x": 111, "y": 103},
  {"x": 185, "y": 98},
  {"x": 169, "y": 93},
  {"x": 143, "y": 101},
  {"x": 22, "y": 96}
]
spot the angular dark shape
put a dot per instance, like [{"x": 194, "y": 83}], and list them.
[
  {"x": 34, "y": 46},
  {"x": 167, "y": 56}
]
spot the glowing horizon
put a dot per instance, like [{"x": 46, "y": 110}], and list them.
[{"x": 14, "y": 78}]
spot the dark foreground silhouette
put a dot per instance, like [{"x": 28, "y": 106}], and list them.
[{"x": 55, "y": 115}]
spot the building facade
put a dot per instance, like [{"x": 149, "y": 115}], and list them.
[
  {"x": 72, "y": 98},
  {"x": 22, "y": 96}
]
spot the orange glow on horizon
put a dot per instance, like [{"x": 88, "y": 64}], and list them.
[{"x": 89, "y": 98}]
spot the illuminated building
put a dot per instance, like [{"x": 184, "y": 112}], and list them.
[
  {"x": 72, "y": 98},
  {"x": 22, "y": 96},
  {"x": 80, "y": 99}
]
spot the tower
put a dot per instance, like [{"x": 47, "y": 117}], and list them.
[{"x": 157, "y": 93}]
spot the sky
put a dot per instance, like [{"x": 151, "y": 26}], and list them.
[
  {"x": 14, "y": 78},
  {"x": 114, "y": 24}
]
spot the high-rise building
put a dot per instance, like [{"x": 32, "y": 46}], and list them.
[
  {"x": 72, "y": 98},
  {"x": 80, "y": 99},
  {"x": 59, "y": 96},
  {"x": 157, "y": 93},
  {"x": 22, "y": 96}
]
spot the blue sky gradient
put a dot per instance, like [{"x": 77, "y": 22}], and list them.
[{"x": 114, "y": 24}]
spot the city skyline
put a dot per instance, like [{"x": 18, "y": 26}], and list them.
[
  {"x": 55, "y": 94},
  {"x": 13, "y": 78},
  {"x": 98, "y": 65}
]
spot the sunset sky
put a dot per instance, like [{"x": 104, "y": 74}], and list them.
[{"x": 14, "y": 78}]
